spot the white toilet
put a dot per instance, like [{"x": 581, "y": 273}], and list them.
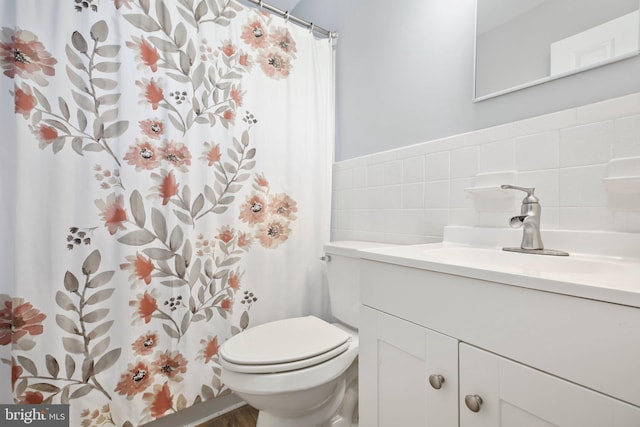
[{"x": 303, "y": 372}]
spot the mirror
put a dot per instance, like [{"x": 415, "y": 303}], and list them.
[{"x": 521, "y": 43}]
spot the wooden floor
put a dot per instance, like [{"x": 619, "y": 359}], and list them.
[{"x": 245, "y": 416}]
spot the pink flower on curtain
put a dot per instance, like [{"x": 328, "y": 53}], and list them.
[
  {"x": 261, "y": 181},
  {"x": 160, "y": 400},
  {"x": 281, "y": 38},
  {"x": 254, "y": 34},
  {"x": 234, "y": 280},
  {"x": 210, "y": 349},
  {"x": 225, "y": 234},
  {"x": 45, "y": 134},
  {"x": 145, "y": 344},
  {"x": 167, "y": 186},
  {"x": 229, "y": 115},
  {"x": 140, "y": 268},
  {"x": 147, "y": 54},
  {"x": 31, "y": 398},
  {"x": 283, "y": 205},
  {"x": 254, "y": 209},
  {"x": 237, "y": 94},
  {"x": 275, "y": 63},
  {"x": 22, "y": 54},
  {"x": 212, "y": 155},
  {"x": 143, "y": 155},
  {"x": 153, "y": 128},
  {"x": 170, "y": 364},
  {"x": 273, "y": 233},
  {"x": 135, "y": 380},
  {"x": 244, "y": 241},
  {"x": 145, "y": 305},
  {"x": 245, "y": 60},
  {"x": 16, "y": 371},
  {"x": 228, "y": 48},
  {"x": 17, "y": 319},
  {"x": 227, "y": 305},
  {"x": 151, "y": 92},
  {"x": 24, "y": 99},
  {"x": 119, "y": 3},
  {"x": 177, "y": 154},
  {"x": 112, "y": 212}
]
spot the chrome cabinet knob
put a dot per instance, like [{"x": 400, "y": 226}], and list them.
[
  {"x": 436, "y": 381},
  {"x": 473, "y": 402}
]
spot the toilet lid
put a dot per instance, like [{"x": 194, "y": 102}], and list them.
[{"x": 283, "y": 341}]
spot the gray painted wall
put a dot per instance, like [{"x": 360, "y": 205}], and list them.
[{"x": 404, "y": 75}]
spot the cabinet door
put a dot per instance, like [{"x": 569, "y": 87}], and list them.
[
  {"x": 396, "y": 359},
  {"x": 514, "y": 395}
]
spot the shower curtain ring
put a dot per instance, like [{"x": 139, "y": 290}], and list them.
[
  {"x": 260, "y": 3},
  {"x": 311, "y": 27},
  {"x": 286, "y": 16}
]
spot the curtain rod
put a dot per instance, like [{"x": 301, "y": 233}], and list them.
[{"x": 286, "y": 15}]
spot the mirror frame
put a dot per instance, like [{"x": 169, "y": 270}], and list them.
[{"x": 542, "y": 80}]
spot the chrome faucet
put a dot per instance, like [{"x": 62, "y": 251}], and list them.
[{"x": 529, "y": 220}]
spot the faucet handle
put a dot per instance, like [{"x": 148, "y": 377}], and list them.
[{"x": 530, "y": 198}]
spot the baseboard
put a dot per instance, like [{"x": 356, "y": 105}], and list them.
[{"x": 199, "y": 413}]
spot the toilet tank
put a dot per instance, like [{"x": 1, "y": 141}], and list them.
[{"x": 343, "y": 278}]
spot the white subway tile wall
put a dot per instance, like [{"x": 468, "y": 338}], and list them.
[{"x": 408, "y": 195}]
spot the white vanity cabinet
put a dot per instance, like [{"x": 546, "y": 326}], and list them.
[
  {"x": 524, "y": 357},
  {"x": 408, "y": 374}
]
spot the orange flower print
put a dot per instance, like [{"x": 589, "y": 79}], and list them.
[
  {"x": 225, "y": 234},
  {"x": 237, "y": 94},
  {"x": 275, "y": 63},
  {"x": 25, "y": 101},
  {"x": 145, "y": 305},
  {"x": 152, "y": 128},
  {"x": 273, "y": 232},
  {"x": 255, "y": 35},
  {"x": 159, "y": 401},
  {"x": 147, "y": 54},
  {"x": 282, "y": 39},
  {"x": 151, "y": 92},
  {"x": 170, "y": 364},
  {"x": 167, "y": 186},
  {"x": 244, "y": 241},
  {"x": 143, "y": 155},
  {"x": 283, "y": 205},
  {"x": 45, "y": 134},
  {"x": 261, "y": 181},
  {"x": 140, "y": 268},
  {"x": 227, "y": 305},
  {"x": 212, "y": 155},
  {"x": 22, "y": 54},
  {"x": 254, "y": 210},
  {"x": 210, "y": 349},
  {"x": 31, "y": 398},
  {"x": 229, "y": 115},
  {"x": 112, "y": 212},
  {"x": 16, "y": 371},
  {"x": 234, "y": 280},
  {"x": 177, "y": 154},
  {"x": 135, "y": 380},
  {"x": 17, "y": 319},
  {"x": 245, "y": 60},
  {"x": 120, "y": 3},
  {"x": 228, "y": 48},
  {"x": 145, "y": 344}
]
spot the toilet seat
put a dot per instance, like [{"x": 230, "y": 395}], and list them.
[{"x": 283, "y": 346}]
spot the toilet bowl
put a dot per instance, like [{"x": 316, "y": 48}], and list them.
[
  {"x": 303, "y": 371},
  {"x": 308, "y": 385}
]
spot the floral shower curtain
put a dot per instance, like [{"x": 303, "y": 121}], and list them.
[{"x": 165, "y": 185}]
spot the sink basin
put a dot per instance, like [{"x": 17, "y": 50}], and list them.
[{"x": 610, "y": 279}]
